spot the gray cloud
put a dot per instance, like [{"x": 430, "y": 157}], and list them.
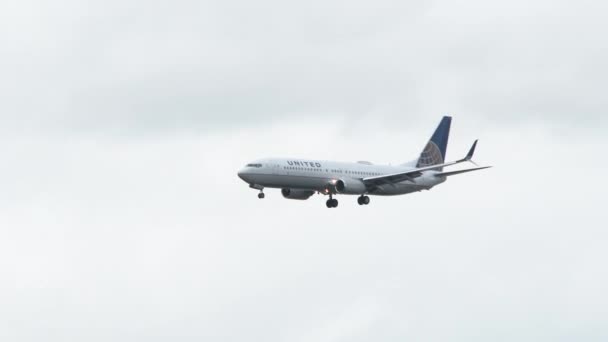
[
  {"x": 126, "y": 68},
  {"x": 153, "y": 237}
]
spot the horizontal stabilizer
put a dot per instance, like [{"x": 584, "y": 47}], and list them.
[{"x": 451, "y": 173}]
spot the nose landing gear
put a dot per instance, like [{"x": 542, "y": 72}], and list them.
[{"x": 258, "y": 187}]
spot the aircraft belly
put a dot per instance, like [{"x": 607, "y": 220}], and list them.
[
  {"x": 398, "y": 189},
  {"x": 292, "y": 181},
  {"x": 318, "y": 183}
]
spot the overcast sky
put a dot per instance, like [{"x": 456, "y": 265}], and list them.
[{"x": 123, "y": 124}]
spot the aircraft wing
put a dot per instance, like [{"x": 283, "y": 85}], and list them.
[
  {"x": 412, "y": 174},
  {"x": 451, "y": 173}
]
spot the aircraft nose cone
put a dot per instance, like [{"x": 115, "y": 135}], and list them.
[{"x": 242, "y": 175}]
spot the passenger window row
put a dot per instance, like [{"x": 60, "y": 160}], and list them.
[
  {"x": 359, "y": 173},
  {"x": 301, "y": 169}
]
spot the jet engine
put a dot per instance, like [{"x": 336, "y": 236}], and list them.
[
  {"x": 348, "y": 186},
  {"x": 297, "y": 194}
]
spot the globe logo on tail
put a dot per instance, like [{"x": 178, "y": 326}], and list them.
[{"x": 431, "y": 155}]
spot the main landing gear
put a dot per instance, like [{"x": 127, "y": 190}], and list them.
[
  {"x": 363, "y": 200},
  {"x": 332, "y": 202},
  {"x": 261, "y": 195}
]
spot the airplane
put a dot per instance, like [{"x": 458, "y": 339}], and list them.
[{"x": 299, "y": 179}]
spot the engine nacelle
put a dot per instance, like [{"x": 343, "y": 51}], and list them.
[
  {"x": 349, "y": 186},
  {"x": 297, "y": 194}
]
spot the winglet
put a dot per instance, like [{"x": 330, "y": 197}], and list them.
[
  {"x": 471, "y": 151},
  {"x": 469, "y": 156}
]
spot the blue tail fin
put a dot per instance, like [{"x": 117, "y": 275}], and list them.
[{"x": 435, "y": 149}]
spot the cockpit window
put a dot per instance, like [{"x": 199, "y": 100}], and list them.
[{"x": 254, "y": 165}]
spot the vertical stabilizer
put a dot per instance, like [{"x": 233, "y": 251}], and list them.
[{"x": 435, "y": 149}]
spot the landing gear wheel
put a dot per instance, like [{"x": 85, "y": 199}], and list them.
[
  {"x": 261, "y": 195},
  {"x": 332, "y": 203},
  {"x": 363, "y": 200}
]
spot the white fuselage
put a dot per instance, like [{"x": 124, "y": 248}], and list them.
[{"x": 316, "y": 175}]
